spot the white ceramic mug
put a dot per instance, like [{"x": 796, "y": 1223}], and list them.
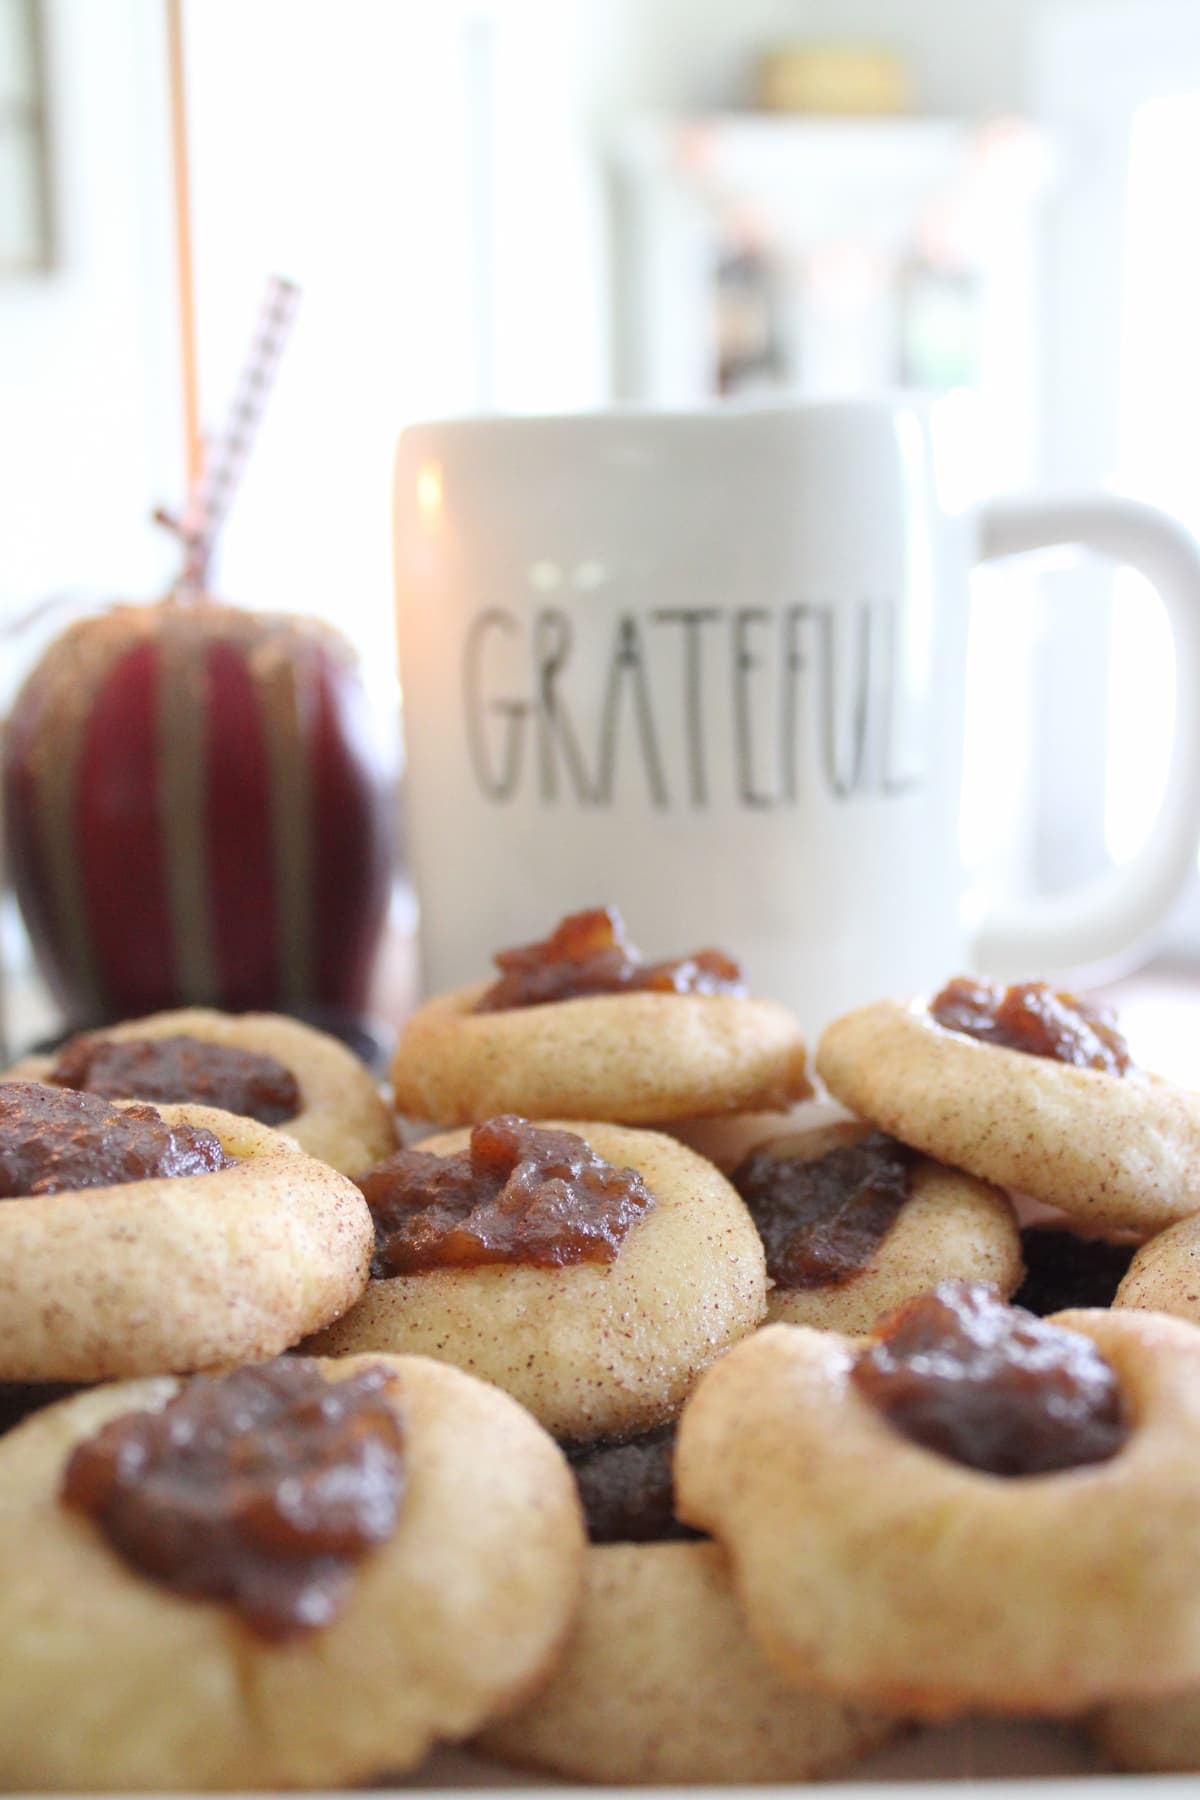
[{"x": 710, "y": 667}]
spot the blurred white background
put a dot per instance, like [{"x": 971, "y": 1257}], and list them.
[{"x": 549, "y": 204}]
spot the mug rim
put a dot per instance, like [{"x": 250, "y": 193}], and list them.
[{"x": 886, "y": 403}]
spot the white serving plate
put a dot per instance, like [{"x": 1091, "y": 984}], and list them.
[{"x": 1016, "y": 1761}]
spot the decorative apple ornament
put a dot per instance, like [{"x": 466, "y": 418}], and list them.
[
  {"x": 194, "y": 812},
  {"x": 194, "y": 808}
]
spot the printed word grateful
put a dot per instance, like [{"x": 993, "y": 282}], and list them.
[{"x": 696, "y": 706}]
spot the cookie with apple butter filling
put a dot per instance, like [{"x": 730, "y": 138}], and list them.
[
  {"x": 579, "y": 1026},
  {"x": 854, "y": 1222},
  {"x": 1164, "y": 1273},
  {"x": 1027, "y": 1088},
  {"x": 972, "y": 1509},
  {"x": 135, "y": 1239},
  {"x": 698, "y": 1702},
  {"x": 262, "y": 1488},
  {"x": 661, "y": 1683},
  {"x": 519, "y": 1193},
  {"x": 296, "y": 1575},
  {"x": 260, "y": 1065},
  {"x": 596, "y": 1306}
]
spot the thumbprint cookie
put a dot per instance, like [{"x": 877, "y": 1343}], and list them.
[
  {"x": 1027, "y": 1088},
  {"x": 854, "y": 1222},
  {"x": 135, "y": 1240},
  {"x": 1164, "y": 1273},
  {"x": 661, "y": 1684},
  {"x": 298, "y": 1574},
  {"x": 578, "y": 1026},
  {"x": 591, "y": 1270},
  {"x": 260, "y": 1065},
  {"x": 972, "y": 1509}
]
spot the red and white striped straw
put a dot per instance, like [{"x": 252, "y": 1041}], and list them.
[{"x": 224, "y": 463}]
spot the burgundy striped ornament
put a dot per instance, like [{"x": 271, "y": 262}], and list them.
[{"x": 195, "y": 813}]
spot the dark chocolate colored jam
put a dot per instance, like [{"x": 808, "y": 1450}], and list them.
[
  {"x": 180, "y": 1068},
  {"x": 821, "y": 1220},
  {"x": 627, "y": 1488},
  {"x": 53, "y": 1140},
  {"x": 990, "y": 1386},
  {"x": 589, "y": 953},
  {"x": 261, "y": 1489},
  {"x": 520, "y": 1194},
  {"x": 1063, "y": 1269},
  {"x": 1033, "y": 1018},
  {"x": 18, "y": 1399}
]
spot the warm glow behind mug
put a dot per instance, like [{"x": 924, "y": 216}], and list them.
[{"x": 710, "y": 667}]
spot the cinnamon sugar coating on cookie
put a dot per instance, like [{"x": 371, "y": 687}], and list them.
[
  {"x": 861, "y": 1248},
  {"x": 661, "y": 1683},
  {"x": 873, "y": 1566},
  {"x": 1164, "y": 1274},
  {"x": 593, "y": 1349},
  {"x": 1121, "y": 1152},
  {"x": 453, "y": 1616},
  {"x": 631, "y": 1057},
  {"x": 188, "y": 1271}
]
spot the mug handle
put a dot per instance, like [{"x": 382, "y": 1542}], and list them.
[{"x": 1104, "y": 917}]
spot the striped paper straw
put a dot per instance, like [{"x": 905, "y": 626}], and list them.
[{"x": 224, "y": 463}]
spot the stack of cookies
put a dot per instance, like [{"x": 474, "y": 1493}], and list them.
[
  {"x": 231, "y": 1567},
  {"x": 645, "y": 1418}
]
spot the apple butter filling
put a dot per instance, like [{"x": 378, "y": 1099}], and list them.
[
  {"x": 53, "y": 1140},
  {"x": 589, "y": 953},
  {"x": 180, "y": 1068},
  {"x": 18, "y": 1399},
  {"x": 1034, "y": 1018},
  {"x": 520, "y": 1193},
  {"x": 261, "y": 1489},
  {"x": 1063, "y": 1269},
  {"x": 990, "y": 1386},
  {"x": 822, "y": 1219},
  {"x": 627, "y": 1488}
]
